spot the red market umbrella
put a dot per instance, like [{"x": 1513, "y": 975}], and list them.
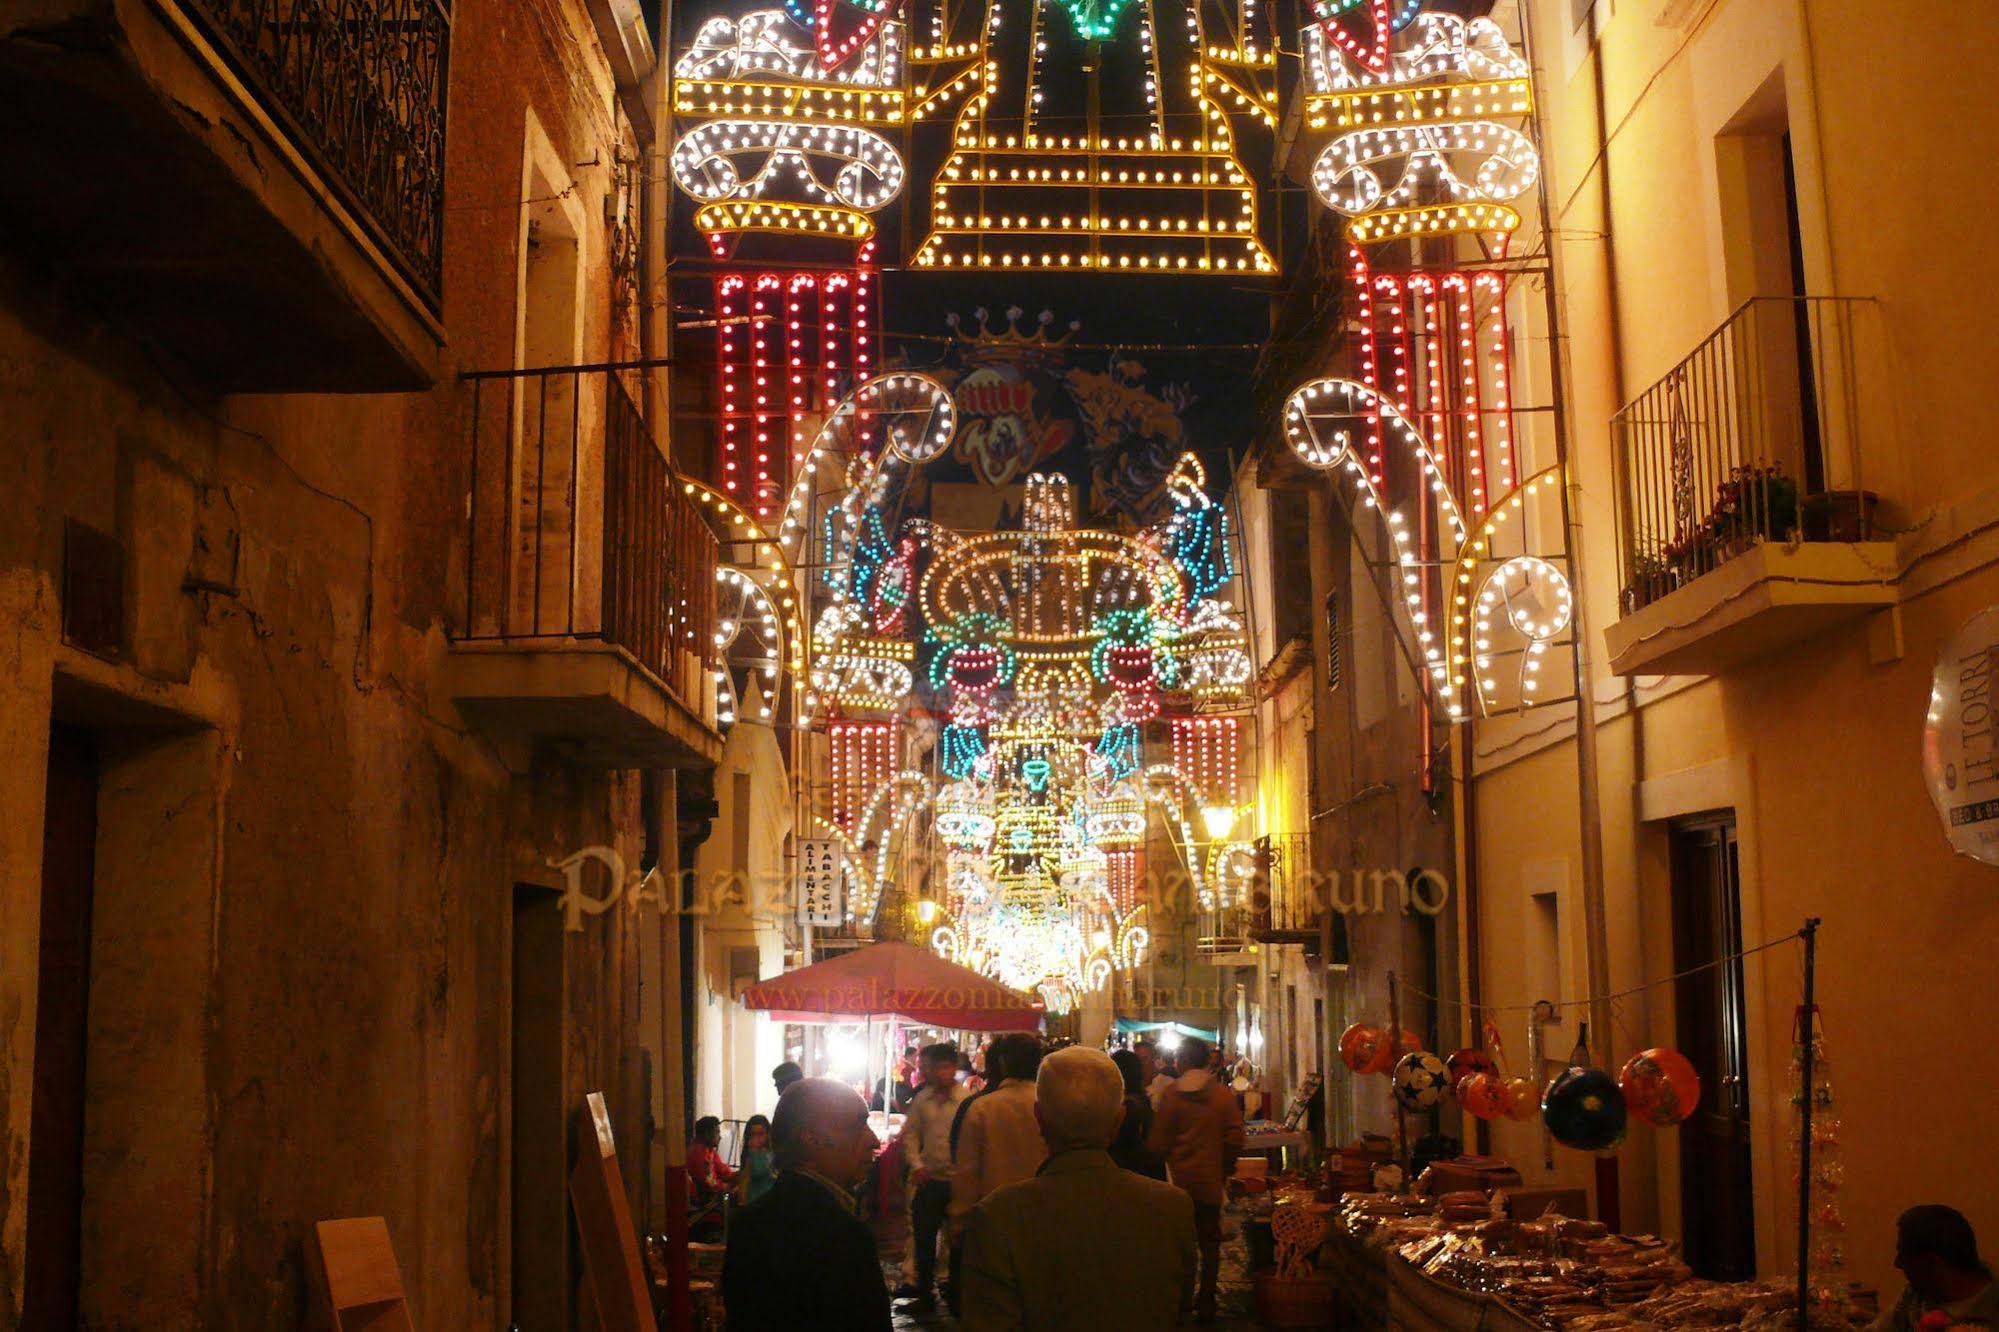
[{"x": 894, "y": 980}]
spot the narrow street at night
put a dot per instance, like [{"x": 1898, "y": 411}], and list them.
[{"x": 998, "y": 665}]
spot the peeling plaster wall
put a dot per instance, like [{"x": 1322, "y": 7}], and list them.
[{"x": 305, "y": 860}]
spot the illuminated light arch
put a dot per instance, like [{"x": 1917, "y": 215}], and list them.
[
  {"x": 915, "y": 412},
  {"x": 1471, "y": 612},
  {"x": 752, "y": 599},
  {"x": 1317, "y": 424}
]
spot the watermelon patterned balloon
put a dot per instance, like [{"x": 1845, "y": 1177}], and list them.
[
  {"x": 1660, "y": 1087},
  {"x": 1466, "y": 1062},
  {"x": 1585, "y": 1110}
]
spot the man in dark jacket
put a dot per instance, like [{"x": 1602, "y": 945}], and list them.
[{"x": 800, "y": 1256}]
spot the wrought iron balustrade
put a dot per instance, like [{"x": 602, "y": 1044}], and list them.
[
  {"x": 1757, "y": 435},
  {"x": 578, "y": 529},
  {"x": 1269, "y": 893},
  {"x": 359, "y": 86}
]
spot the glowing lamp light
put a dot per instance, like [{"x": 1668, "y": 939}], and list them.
[
  {"x": 1219, "y": 820},
  {"x": 1169, "y": 1040},
  {"x": 926, "y": 911},
  {"x": 845, "y": 1054}
]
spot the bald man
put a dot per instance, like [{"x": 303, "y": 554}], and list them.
[
  {"x": 800, "y": 1256},
  {"x": 1083, "y": 1245}
]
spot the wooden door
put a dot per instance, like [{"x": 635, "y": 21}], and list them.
[
  {"x": 1717, "y": 1197},
  {"x": 542, "y": 1287},
  {"x": 62, "y": 1006}
]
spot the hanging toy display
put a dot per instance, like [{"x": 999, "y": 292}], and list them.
[
  {"x": 1365, "y": 1049},
  {"x": 1420, "y": 1081},
  {"x": 1583, "y": 1107},
  {"x": 1523, "y": 1098},
  {"x": 1466, "y": 1062},
  {"x": 1483, "y": 1095},
  {"x": 1660, "y": 1087}
]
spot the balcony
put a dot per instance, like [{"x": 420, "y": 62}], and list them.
[
  {"x": 1744, "y": 520},
  {"x": 1273, "y": 899},
  {"x": 256, "y": 186},
  {"x": 588, "y": 618}
]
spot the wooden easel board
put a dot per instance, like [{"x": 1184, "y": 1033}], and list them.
[
  {"x": 357, "y": 1286},
  {"x": 604, "y": 1223}
]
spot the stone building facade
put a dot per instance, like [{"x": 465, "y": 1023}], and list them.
[{"x": 284, "y": 934}]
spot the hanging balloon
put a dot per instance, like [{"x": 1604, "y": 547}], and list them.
[
  {"x": 1483, "y": 1095},
  {"x": 1523, "y": 1098},
  {"x": 1409, "y": 1044},
  {"x": 1466, "y": 1062},
  {"x": 1584, "y": 1110},
  {"x": 1365, "y": 1049},
  {"x": 1420, "y": 1081},
  {"x": 1660, "y": 1087}
]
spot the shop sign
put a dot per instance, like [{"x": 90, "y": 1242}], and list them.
[
  {"x": 1960, "y": 747},
  {"x": 822, "y": 882}
]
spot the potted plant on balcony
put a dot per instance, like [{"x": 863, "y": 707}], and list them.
[
  {"x": 1687, "y": 557},
  {"x": 1756, "y": 503},
  {"x": 1652, "y": 577},
  {"x": 1839, "y": 515}
]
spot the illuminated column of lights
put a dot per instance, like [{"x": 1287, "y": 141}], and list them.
[
  {"x": 1427, "y": 336},
  {"x": 766, "y": 353},
  {"x": 1471, "y": 408},
  {"x": 1205, "y": 752},
  {"x": 801, "y": 295},
  {"x": 1127, "y": 878},
  {"x": 789, "y": 345},
  {"x": 1499, "y": 362},
  {"x": 1362, "y": 284},
  {"x": 732, "y": 361},
  {"x": 863, "y": 760}
]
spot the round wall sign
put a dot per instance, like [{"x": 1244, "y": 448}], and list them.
[{"x": 1960, "y": 745}]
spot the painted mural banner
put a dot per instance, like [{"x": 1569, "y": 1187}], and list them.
[{"x": 1960, "y": 750}]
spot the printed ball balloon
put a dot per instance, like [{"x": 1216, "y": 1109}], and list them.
[
  {"x": 1420, "y": 1081},
  {"x": 1365, "y": 1049},
  {"x": 1467, "y": 1062},
  {"x": 1584, "y": 1110},
  {"x": 1660, "y": 1087},
  {"x": 1523, "y": 1098},
  {"x": 1483, "y": 1095}
]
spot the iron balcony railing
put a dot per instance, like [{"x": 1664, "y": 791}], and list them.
[
  {"x": 1758, "y": 435},
  {"x": 359, "y": 86},
  {"x": 1271, "y": 896},
  {"x": 578, "y": 529}
]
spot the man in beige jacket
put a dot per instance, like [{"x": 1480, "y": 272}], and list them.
[
  {"x": 999, "y": 1142},
  {"x": 1041, "y": 1254},
  {"x": 996, "y": 1140},
  {"x": 1198, "y": 1129}
]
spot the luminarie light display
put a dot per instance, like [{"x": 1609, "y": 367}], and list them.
[
  {"x": 1038, "y": 654},
  {"x": 1423, "y": 429}
]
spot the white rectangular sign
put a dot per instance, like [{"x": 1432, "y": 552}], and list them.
[{"x": 822, "y": 881}]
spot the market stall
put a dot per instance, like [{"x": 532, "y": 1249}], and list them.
[
  {"x": 1453, "y": 1244},
  {"x": 898, "y": 985}
]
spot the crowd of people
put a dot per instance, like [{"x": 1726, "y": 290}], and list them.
[
  {"x": 1030, "y": 1178},
  {"x": 1073, "y": 1190}
]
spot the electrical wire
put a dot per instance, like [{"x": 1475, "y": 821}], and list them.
[{"x": 1607, "y": 998}]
